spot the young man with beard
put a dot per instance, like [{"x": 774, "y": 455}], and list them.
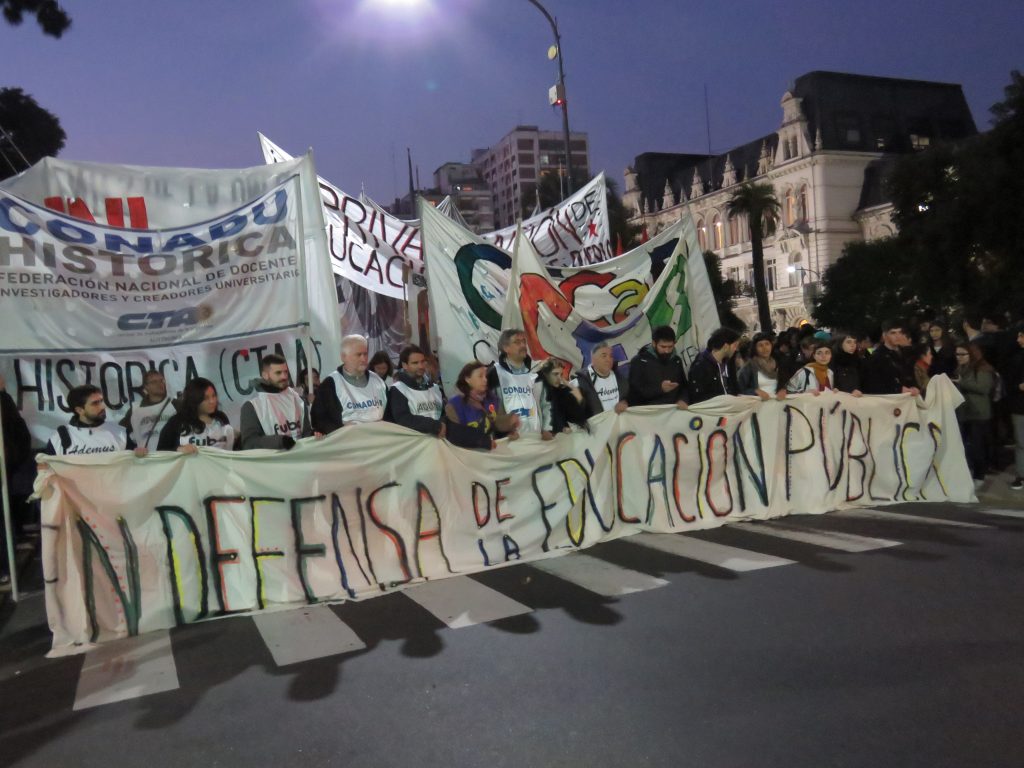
[
  {"x": 604, "y": 387},
  {"x": 276, "y": 415},
  {"x": 713, "y": 373},
  {"x": 513, "y": 383},
  {"x": 144, "y": 420},
  {"x": 656, "y": 374},
  {"x": 413, "y": 400},
  {"x": 350, "y": 395},
  {"x": 88, "y": 431}
]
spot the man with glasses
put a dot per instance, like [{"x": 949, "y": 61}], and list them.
[{"x": 889, "y": 369}]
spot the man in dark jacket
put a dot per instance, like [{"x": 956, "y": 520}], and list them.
[
  {"x": 276, "y": 415},
  {"x": 656, "y": 374},
  {"x": 414, "y": 401},
  {"x": 713, "y": 373},
  {"x": 889, "y": 370},
  {"x": 604, "y": 387}
]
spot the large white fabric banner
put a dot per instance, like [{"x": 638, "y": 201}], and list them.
[
  {"x": 574, "y": 233},
  {"x": 469, "y": 281},
  {"x": 107, "y": 271},
  {"x": 132, "y": 545},
  {"x": 568, "y": 327}
]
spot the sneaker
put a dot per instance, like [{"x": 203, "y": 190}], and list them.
[{"x": 1017, "y": 485}]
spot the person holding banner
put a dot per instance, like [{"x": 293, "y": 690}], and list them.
[
  {"x": 474, "y": 415},
  {"x": 561, "y": 403},
  {"x": 88, "y": 430},
  {"x": 512, "y": 381},
  {"x": 604, "y": 387},
  {"x": 350, "y": 395},
  {"x": 276, "y": 415},
  {"x": 199, "y": 423},
  {"x": 145, "y": 421},
  {"x": 713, "y": 373},
  {"x": 413, "y": 400},
  {"x": 656, "y": 373}
]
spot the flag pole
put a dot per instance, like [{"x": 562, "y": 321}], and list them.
[{"x": 8, "y": 528}]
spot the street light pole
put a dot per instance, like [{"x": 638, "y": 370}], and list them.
[{"x": 561, "y": 82}]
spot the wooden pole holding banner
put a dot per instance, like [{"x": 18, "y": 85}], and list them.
[
  {"x": 307, "y": 312},
  {"x": 8, "y": 527}
]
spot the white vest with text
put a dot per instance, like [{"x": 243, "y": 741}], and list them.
[
  {"x": 280, "y": 413},
  {"x": 360, "y": 404},
  {"x": 517, "y": 395}
]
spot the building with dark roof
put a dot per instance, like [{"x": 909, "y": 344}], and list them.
[{"x": 828, "y": 161}]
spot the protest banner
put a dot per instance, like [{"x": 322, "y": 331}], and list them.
[
  {"x": 133, "y": 545},
  {"x": 469, "y": 280},
  {"x": 107, "y": 271}
]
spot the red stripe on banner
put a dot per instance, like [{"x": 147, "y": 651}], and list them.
[
  {"x": 115, "y": 212},
  {"x": 55, "y": 204},
  {"x": 78, "y": 209},
  {"x": 137, "y": 214}
]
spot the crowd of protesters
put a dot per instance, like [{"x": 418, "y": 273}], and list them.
[{"x": 511, "y": 395}]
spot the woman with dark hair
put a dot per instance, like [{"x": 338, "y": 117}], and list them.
[
  {"x": 846, "y": 364},
  {"x": 815, "y": 377},
  {"x": 198, "y": 422},
  {"x": 975, "y": 378},
  {"x": 943, "y": 347},
  {"x": 760, "y": 376},
  {"x": 474, "y": 416},
  {"x": 381, "y": 364}
]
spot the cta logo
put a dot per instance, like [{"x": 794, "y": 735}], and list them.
[{"x": 155, "y": 321}]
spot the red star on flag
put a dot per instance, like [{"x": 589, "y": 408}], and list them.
[{"x": 593, "y": 229}]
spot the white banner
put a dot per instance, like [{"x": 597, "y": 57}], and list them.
[
  {"x": 469, "y": 280},
  {"x": 107, "y": 271},
  {"x": 566, "y": 317},
  {"x": 133, "y": 545},
  {"x": 574, "y": 233},
  {"x": 368, "y": 245}
]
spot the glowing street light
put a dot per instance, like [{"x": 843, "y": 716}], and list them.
[{"x": 557, "y": 94}]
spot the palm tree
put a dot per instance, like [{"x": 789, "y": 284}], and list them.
[{"x": 761, "y": 207}]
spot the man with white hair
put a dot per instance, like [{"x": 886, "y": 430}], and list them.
[{"x": 350, "y": 395}]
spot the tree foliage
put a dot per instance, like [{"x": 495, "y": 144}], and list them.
[
  {"x": 960, "y": 246},
  {"x": 761, "y": 207},
  {"x": 725, "y": 292},
  {"x": 51, "y": 17},
  {"x": 28, "y": 132}
]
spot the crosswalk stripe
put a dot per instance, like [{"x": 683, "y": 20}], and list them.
[
  {"x": 462, "y": 602},
  {"x": 305, "y": 634},
  {"x": 1018, "y": 513},
  {"x": 844, "y": 542},
  {"x": 598, "y": 575},
  {"x": 901, "y": 517},
  {"x": 126, "y": 669},
  {"x": 729, "y": 558}
]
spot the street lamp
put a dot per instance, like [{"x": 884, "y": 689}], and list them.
[
  {"x": 793, "y": 269},
  {"x": 559, "y": 90}
]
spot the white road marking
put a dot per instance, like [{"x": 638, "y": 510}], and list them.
[
  {"x": 126, "y": 669},
  {"x": 844, "y": 542},
  {"x": 729, "y": 558},
  {"x": 305, "y": 634},
  {"x": 462, "y": 602},
  {"x": 598, "y": 575},
  {"x": 900, "y": 517}
]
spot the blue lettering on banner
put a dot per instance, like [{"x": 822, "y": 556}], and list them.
[{"x": 150, "y": 321}]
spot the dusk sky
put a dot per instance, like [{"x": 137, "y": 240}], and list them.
[{"x": 189, "y": 83}]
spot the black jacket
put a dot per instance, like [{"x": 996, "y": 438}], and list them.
[
  {"x": 1012, "y": 381},
  {"x": 647, "y": 371},
  {"x": 17, "y": 440},
  {"x": 398, "y": 411},
  {"x": 590, "y": 397},
  {"x": 746, "y": 378},
  {"x": 886, "y": 371},
  {"x": 563, "y": 407},
  {"x": 706, "y": 378},
  {"x": 847, "y": 371}
]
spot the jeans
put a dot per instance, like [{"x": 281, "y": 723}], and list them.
[{"x": 977, "y": 437}]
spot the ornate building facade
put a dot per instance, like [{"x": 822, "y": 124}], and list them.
[{"x": 827, "y": 163}]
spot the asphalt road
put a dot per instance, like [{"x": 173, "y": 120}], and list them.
[{"x": 908, "y": 652}]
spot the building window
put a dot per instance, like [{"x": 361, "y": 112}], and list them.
[
  {"x": 803, "y": 212},
  {"x": 769, "y": 274},
  {"x": 702, "y": 235},
  {"x": 920, "y": 141},
  {"x": 734, "y": 230},
  {"x": 716, "y": 230},
  {"x": 790, "y": 208}
]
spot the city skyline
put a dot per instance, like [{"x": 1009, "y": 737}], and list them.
[{"x": 190, "y": 84}]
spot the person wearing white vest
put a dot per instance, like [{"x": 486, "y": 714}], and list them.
[
  {"x": 513, "y": 383},
  {"x": 145, "y": 420},
  {"x": 199, "y": 422},
  {"x": 413, "y": 400},
  {"x": 350, "y": 395},
  {"x": 604, "y": 387},
  {"x": 276, "y": 415},
  {"x": 88, "y": 431}
]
